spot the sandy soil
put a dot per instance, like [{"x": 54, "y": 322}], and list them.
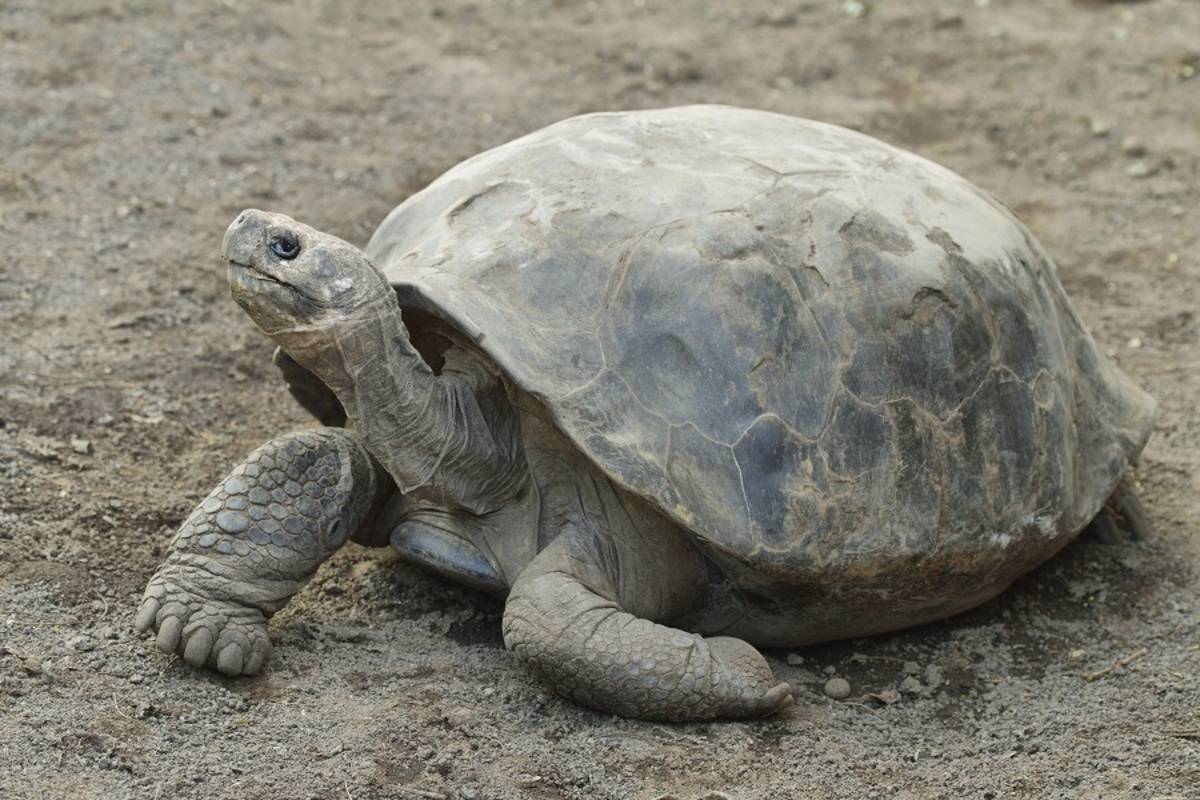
[{"x": 132, "y": 132}]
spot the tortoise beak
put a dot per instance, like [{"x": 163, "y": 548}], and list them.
[{"x": 244, "y": 237}]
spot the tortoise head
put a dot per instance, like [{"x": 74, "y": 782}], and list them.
[{"x": 286, "y": 275}]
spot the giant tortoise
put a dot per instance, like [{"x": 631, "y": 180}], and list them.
[{"x": 678, "y": 383}]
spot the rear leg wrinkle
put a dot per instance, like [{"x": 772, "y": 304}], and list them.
[{"x": 564, "y": 620}]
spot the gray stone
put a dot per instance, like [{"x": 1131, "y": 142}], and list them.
[{"x": 82, "y": 643}]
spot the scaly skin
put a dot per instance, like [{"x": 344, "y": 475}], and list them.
[
  {"x": 566, "y": 621},
  {"x": 254, "y": 542}
]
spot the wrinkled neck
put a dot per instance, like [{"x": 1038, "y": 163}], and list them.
[
  {"x": 427, "y": 432},
  {"x": 361, "y": 352}
]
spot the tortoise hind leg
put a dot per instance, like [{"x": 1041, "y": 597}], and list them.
[
  {"x": 580, "y": 622},
  {"x": 1122, "y": 519}
]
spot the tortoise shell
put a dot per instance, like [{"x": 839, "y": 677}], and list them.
[{"x": 808, "y": 347}]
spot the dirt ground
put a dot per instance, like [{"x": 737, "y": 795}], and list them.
[{"x": 131, "y": 133}]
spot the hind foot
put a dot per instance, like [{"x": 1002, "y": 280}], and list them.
[
  {"x": 1122, "y": 519},
  {"x": 566, "y": 620}
]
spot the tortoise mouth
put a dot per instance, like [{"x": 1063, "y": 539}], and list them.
[
  {"x": 253, "y": 280},
  {"x": 250, "y": 284},
  {"x": 251, "y": 271}
]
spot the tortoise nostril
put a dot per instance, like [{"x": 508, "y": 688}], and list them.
[{"x": 240, "y": 219}]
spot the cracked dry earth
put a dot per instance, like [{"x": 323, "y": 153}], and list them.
[{"x": 131, "y": 133}]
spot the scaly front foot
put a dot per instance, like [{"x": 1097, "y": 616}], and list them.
[
  {"x": 254, "y": 542},
  {"x": 207, "y": 630}
]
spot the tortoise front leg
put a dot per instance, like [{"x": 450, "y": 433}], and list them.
[
  {"x": 254, "y": 542},
  {"x": 580, "y": 624}
]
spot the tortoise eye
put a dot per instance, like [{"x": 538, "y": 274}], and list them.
[{"x": 285, "y": 246}]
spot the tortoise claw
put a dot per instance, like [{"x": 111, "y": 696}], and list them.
[{"x": 206, "y": 632}]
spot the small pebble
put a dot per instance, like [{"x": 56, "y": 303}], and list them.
[
  {"x": 81, "y": 446},
  {"x": 82, "y": 643},
  {"x": 854, "y": 8},
  {"x": 933, "y": 676},
  {"x": 830, "y": 669},
  {"x": 837, "y": 688},
  {"x": 1141, "y": 169},
  {"x": 1098, "y": 127},
  {"x": 911, "y": 668},
  {"x": 794, "y": 659},
  {"x": 459, "y": 717},
  {"x": 911, "y": 685},
  {"x": 1133, "y": 147}
]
